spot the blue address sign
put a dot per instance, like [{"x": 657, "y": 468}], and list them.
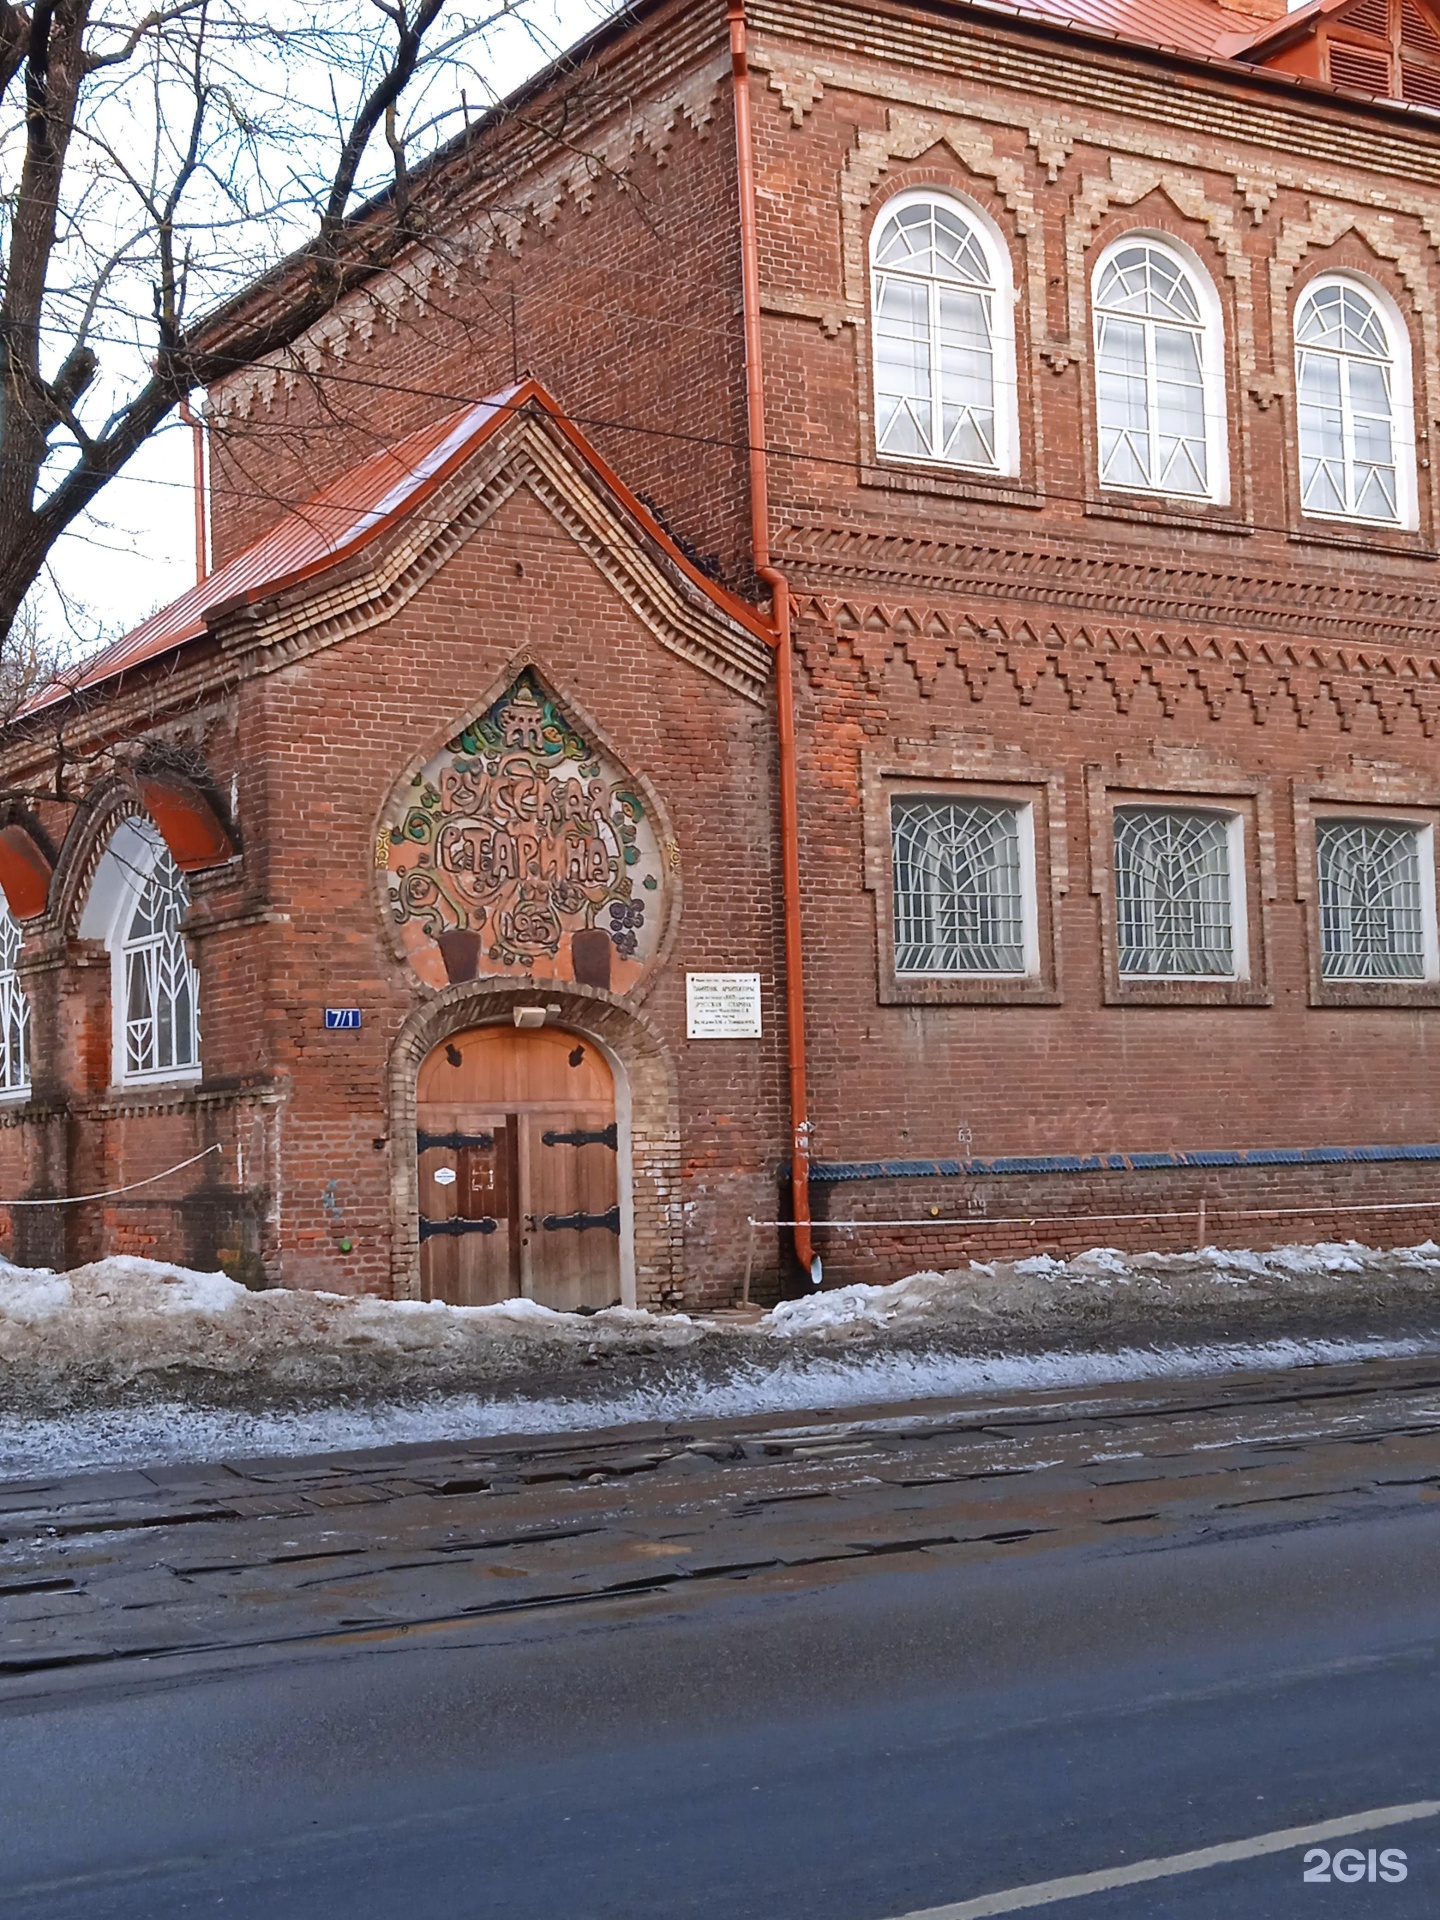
[{"x": 341, "y": 1018}]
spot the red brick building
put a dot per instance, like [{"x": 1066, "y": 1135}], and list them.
[{"x": 953, "y": 530}]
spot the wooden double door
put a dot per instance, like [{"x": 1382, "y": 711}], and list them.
[{"x": 518, "y": 1156}]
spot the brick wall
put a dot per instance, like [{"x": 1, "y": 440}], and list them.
[
  {"x": 336, "y": 733},
  {"x": 616, "y": 285},
  {"x": 988, "y": 1217}
]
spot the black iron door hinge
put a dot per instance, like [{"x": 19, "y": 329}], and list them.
[
  {"x": 580, "y": 1222},
  {"x": 456, "y": 1225},
  {"x": 580, "y": 1137}
]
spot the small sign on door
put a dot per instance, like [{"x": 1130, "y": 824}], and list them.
[
  {"x": 722, "y": 1006},
  {"x": 341, "y": 1019}
]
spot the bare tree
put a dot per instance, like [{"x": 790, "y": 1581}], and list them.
[{"x": 154, "y": 161}]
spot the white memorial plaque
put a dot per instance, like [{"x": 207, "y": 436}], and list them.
[{"x": 722, "y": 1006}]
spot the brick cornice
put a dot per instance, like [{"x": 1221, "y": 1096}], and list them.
[
  {"x": 857, "y": 567},
  {"x": 674, "y": 85},
  {"x": 985, "y": 56},
  {"x": 525, "y": 456},
  {"x": 845, "y": 644},
  {"x": 380, "y": 581}
]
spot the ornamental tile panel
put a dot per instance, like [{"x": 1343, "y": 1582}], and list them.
[{"x": 524, "y": 850}]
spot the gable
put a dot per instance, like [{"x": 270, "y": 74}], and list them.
[{"x": 358, "y": 551}]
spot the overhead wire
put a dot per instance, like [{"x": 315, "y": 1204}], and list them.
[
  {"x": 1208, "y": 517},
  {"x": 1168, "y": 509}
]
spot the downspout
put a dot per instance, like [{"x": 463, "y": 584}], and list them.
[
  {"x": 197, "y": 445},
  {"x": 784, "y": 666}
]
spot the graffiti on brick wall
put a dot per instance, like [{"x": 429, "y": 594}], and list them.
[{"x": 523, "y": 849}]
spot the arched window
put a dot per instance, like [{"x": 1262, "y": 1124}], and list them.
[
  {"x": 136, "y": 904},
  {"x": 943, "y": 311},
  {"x": 1352, "y": 383},
  {"x": 14, "y": 1012},
  {"x": 162, "y": 1028},
  {"x": 1159, "y": 373}
]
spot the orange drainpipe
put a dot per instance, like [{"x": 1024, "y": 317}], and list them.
[
  {"x": 197, "y": 443},
  {"x": 784, "y": 669}
]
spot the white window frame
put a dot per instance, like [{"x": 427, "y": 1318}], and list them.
[
  {"x": 1424, "y": 833},
  {"x": 1212, "y": 369},
  {"x": 1024, "y": 812},
  {"x": 1239, "y": 896},
  {"x": 1004, "y": 295},
  {"x": 1402, "y": 418},
  {"x": 125, "y": 869},
  {"x": 14, "y": 1013}
]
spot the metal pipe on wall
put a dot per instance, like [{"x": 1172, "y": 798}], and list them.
[{"x": 784, "y": 663}]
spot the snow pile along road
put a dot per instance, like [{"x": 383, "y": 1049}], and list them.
[
  {"x": 133, "y": 1362},
  {"x": 125, "y": 1331},
  {"x": 124, "y": 1322},
  {"x": 1105, "y": 1284}
]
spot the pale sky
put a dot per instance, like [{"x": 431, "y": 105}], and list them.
[{"x": 136, "y": 552}]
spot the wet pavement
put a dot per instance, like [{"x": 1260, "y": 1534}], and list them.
[
  {"x": 813, "y": 1668},
  {"x": 117, "y": 1566}
]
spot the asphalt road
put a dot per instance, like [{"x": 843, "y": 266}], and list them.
[{"x": 769, "y": 1671}]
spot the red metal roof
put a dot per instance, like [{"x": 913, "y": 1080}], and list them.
[
  {"x": 348, "y": 515},
  {"x": 1189, "y": 26}
]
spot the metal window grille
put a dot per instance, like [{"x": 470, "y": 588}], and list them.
[
  {"x": 1344, "y": 372},
  {"x": 1172, "y": 892},
  {"x": 934, "y": 312},
  {"x": 14, "y": 1012},
  {"x": 959, "y": 896},
  {"x": 162, "y": 1029},
  {"x": 1150, "y": 374},
  {"x": 1372, "y": 911}
]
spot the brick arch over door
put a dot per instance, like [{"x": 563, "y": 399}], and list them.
[{"x": 635, "y": 1052}]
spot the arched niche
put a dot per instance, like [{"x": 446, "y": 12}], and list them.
[{"x": 524, "y": 850}]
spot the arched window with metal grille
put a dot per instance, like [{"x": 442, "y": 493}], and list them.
[
  {"x": 1177, "y": 883},
  {"x": 14, "y": 1012},
  {"x": 1159, "y": 372},
  {"x": 1355, "y": 412},
  {"x": 135, "y": 905},
  {"x": 1376, "y": 908},
  {"x": 942, "y": 308},
  {"x": 963, "y": 886},
  {"x": 159, "y": 982}
]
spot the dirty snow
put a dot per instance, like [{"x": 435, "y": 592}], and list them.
[
  {"x": 127, "y": 1360},
  {"x": 165, "y": 1431},
  {"x": 1002, "y": 1286}
]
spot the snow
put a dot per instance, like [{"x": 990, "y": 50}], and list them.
[
  {"x": 120, "y": 1304},
  {"x": 32, "y": 1294},
  {"x": 29, "y": 1295},
  {"x": 133, "y": 1361},
  {"x": 114, "y": 1302},
  {"x": 166, "y": 1430},
  {"x": 1008, "y": 1287}
]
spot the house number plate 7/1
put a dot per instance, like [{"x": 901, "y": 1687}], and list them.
[{"x": 341, "y": 1019}]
